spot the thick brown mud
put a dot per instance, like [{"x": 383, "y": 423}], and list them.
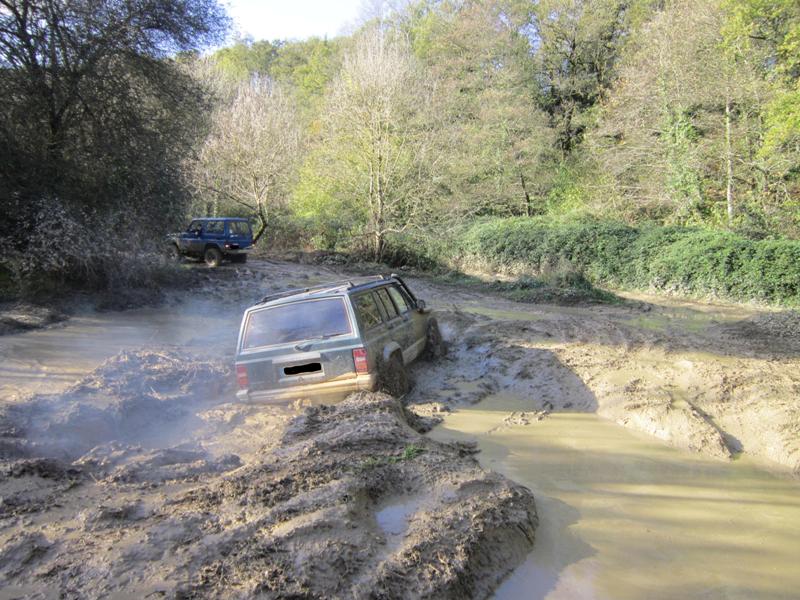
[
  {"x": 712, "y": 380},
  {"x": 345, "y": 501},
  {"x": 142, "y": 475}
]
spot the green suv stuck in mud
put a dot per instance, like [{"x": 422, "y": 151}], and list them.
[{"x": 327, "y": 341}]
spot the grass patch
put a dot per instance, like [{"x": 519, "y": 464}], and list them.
[{"x": 410, "y": 452}]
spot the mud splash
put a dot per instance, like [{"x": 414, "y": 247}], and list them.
[{"x": 625, "y": 517}]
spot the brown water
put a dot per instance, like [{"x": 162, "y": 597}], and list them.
[
  {"x": 623, "y": 516},
  {"x": 49, "y": 360}
]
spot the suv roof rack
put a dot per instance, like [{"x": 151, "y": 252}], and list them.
[{"x": 347, "y": 284}]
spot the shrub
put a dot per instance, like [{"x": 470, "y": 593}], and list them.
[
  {"x": 688, "y": 261},
  {"x": 66, "y": 248}
]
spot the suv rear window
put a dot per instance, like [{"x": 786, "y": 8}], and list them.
[
  {"x": 238, "y": 228},
  {"x": 296, "y": 322}
]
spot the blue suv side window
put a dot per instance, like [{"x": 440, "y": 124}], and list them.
[
  {"x": 196, "y": 226},
  {"x": 215, "y": 227}
]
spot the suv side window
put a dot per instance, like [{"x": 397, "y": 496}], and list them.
[
  {"x": 215, "y": 227},
  {"x": 391, "y": 311},
  {"x": 399, "y": 299},
  {"x": 367, "y": 310},
  {"x": 196, "y": 226}
]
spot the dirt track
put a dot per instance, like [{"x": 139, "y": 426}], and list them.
[{"x": 144, "y": 477}]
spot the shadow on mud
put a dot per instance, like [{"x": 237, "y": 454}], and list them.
[
  {"x": 539, "y": 575},
  {"x": 668, "y": 324}
]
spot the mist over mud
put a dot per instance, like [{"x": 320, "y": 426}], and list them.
[{"x": 305, "y": 512}]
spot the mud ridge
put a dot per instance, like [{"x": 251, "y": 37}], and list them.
[
  {"x": 697, "y": 384},
  {"x": 349, "y": 501},
  {"x": 308, "y": 511}
]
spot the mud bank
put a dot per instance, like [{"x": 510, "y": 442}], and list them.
[
  {"x": 717, "y": 380},
  {"x": 141, "y": 479}
]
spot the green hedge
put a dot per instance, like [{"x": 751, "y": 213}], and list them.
[{"x": 695, "y": 262}]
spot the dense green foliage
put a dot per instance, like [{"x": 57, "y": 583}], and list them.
[
  {"x": 680, "y": 260},
  {"x": 96, "y": 119},
  {"x": 682, "y": 112},
  {"x": 653, "y": 143}
]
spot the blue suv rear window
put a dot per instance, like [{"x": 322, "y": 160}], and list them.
[
  {"x": 238, "y": 228},
  {"x": 296, "y": 322}
]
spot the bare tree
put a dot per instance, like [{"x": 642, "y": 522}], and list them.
[
  {"x": 377, "y": 137},
  {"x": 497, "y": 143},
  {"x": 250, "y": 155},
  {"x": 674, "y": 129}
]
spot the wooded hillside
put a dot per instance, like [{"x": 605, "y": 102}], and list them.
[{"x": 430, "y": 115}]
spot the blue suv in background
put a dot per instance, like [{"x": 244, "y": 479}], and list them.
[{"x": 213, "y": 240}]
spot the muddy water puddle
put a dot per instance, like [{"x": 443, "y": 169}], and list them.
[
  {"x": 623, "y": 516},
  {"x": 394, "y": 519},
  {"x": 49, "y": 360}
]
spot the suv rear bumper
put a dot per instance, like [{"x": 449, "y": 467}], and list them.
[
  {"x": 328, "y": 391},
  {"x": 237, "y": 250}
]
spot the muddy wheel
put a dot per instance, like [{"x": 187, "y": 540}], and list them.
[
  {"x": 394, "y": 379},
  {"x": 434, "y": 344},
  {"x": 213, "y": 257},
  {"x": 239, "y": 258},
  {"x": 173, "y": 254}
]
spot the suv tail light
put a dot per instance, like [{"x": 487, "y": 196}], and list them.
[
  {"x": 360, "y": 360},
  {"x": 241, "y": 377}
]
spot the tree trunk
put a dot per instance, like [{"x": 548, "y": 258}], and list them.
[
  {"x": 263, "y": 218},
  {"x": 528, "y": 207},
  {"x": 379, "y": 221},
  {"x": 728, "y": 161}
]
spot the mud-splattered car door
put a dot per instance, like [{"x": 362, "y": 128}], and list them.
[
  {"x": 374, "y": 332},
  {"x": 400, "y": 326},
  {"x": 413, "y": 328}
]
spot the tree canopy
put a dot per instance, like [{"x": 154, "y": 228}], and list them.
[{"x": 431, "y": 113}]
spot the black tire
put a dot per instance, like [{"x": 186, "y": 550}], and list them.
[
  {"x": 213, "y": 257},
  {"x": 239, "y": 258},
  {"x": 393, "y": 377},
  {"x": 434, "y": 344}
]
